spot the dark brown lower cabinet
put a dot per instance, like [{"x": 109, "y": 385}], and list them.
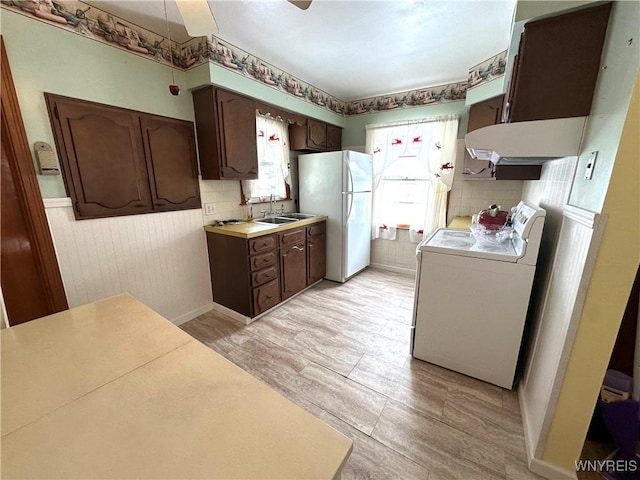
[
  {"x": 266, "y": 296},
  {"x": 316, "y": 252},
  {"x": 252, "y": 275},
  {"x": 293, "y": 262}
]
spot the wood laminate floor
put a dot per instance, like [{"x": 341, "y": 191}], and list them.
[{"x": 341, "y": 351}]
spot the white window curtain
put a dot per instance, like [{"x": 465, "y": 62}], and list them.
[
  {"x": 273, "y": 161},
  {"x": 422, "y": 153}
]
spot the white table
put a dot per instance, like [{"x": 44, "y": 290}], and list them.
[{"x": 113, "y": 390}]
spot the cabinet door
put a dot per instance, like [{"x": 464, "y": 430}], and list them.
[
  {"x": 316, "y": 135},
  {"x": 558, "y": 65},
  {"x": 265, "y": 297},
  {"x": 316, "y": 258},
  {"x": 102, "y": 157},
  {"x": 334, "y": 138},
  {"x": 170, "y": 152},
  {"x": 482, "y": 114},
  {"x": 238, "y": 143},
  {"x": 293, "y": 270},
  {"x": 485, "y": 113}
]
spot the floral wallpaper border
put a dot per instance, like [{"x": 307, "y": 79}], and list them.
[
  {"x": 242, "y": 62},
  {"x": 451, "y": 92},
  {"x": 79, "y": 18},
  {"x": 488, "y": 70},
  {"x": 91, "y": 22}
]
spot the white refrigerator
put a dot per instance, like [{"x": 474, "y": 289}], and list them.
[{"x": 338, "y": 185}]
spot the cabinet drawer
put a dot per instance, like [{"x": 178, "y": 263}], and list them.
[
  {"x": 316, "y": 229},
  {"x": 263, "y": 276},
  {"x": 291, "y": 237},
  {"x": 262, "y": 244},
  {"x": 265, "y": 297},
  {"x": 258, "y": 262}
]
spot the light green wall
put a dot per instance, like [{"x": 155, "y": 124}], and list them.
[
  {"x": 354, "y": 131},
  {"x": 222, "y": 77},
  {"x": 486, "y": 90},
  {"x": 49, "y": 59},
  {"x": 620, "y": 62}
]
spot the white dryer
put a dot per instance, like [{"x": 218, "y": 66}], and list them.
[{"x": 472, "y": 298}]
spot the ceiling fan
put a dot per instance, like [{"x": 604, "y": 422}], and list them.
[
  {"x": 199, "y": 22},
  {"x": 198, "y": 18}
]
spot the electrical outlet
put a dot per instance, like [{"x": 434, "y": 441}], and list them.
[
  {"x": 209, "y": 208},
  {"x": 588, "y": 173}
]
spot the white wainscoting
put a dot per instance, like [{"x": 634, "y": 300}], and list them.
[
  {"x": 575, "y": 254},
  {"x": 159, "y": 258}
]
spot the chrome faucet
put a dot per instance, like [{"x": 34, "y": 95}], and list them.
[{"x": 272, "y": 204}]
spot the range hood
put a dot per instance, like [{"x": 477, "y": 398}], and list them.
[{"x": 527, "y": 143}]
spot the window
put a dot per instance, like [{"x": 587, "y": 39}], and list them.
[
  {"x": 403, "y": 187},
  {"x": 412, "y": 170},
  {"x": 273, "y": 162}
]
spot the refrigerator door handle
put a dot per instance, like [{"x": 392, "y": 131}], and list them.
[
  {"x": 350, "y": 184},
  {"x": 350, "y": 195}
]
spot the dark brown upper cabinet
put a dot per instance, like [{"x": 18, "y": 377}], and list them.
[
  {"x": 484, "y": 114},
  {"x": 170, "y": 151},
  {"x": 334, "y": 138},
  {"x": 120, "y": 162},
  {"x": 557, "y": 66},
  {"x": 226, "y": 126},
  {"x": 314, "y": 136},
  {"x": 310, "y": 136}
]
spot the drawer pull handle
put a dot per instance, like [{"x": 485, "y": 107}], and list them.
[
  {"x": 268, "y": 297},
  {"x": 298, "y": 248}
]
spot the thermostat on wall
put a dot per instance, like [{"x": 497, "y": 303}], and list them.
[{"x": 47, "y": 162}]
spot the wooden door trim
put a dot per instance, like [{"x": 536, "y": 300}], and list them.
[{"x": 26, "y": 183}]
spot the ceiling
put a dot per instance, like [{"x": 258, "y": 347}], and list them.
[{"x": 350, "y": 49}]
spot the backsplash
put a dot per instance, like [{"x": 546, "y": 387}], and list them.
[{"x": 225, "y": 197}]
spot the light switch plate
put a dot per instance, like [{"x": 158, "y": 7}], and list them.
[
  {"x": 588, "y": 173},
  {"x": 209, "y": 208}
]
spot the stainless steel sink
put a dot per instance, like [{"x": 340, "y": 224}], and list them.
[
  {"x": 275, "y": 220},
  {"x": 298, "y": 216}
]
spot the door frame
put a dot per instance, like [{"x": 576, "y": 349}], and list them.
[{"x": 23, "y": 171}]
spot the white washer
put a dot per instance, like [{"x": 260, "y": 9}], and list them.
[{"x": 471, "y": 299}]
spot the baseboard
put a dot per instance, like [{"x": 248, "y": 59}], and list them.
[
  {"x": 536, "y": 465},
  {"x": 528, "y": 441},
  {"x": 232, "y": 313},
  {"x": 250, "y": 320},
  {"x": 550, "y": 471},
  {"x": 393, "y": 268},
  {"x": 243, "y": 319},
  {"x": 192, "y": 314}
]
